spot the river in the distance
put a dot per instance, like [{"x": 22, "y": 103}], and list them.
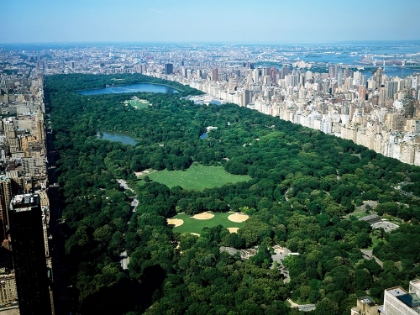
[{"x": 132, "y": 88}]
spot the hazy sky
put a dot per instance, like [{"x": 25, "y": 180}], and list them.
[{"x": 239, "y": 21}]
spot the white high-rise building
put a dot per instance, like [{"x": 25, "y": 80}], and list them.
[
  {"x": 391, "y": 88},
  {"x": 255, "y": 76},
  {"x": 357, "y": 78},
  {"x": 397, "y": 301}
]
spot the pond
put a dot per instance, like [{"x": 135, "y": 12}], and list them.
[{"x": 117, "y": 136}]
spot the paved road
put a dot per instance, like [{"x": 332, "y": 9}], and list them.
[
  {"x": 64, "y": 297},
  {"x": 303, "y": 307},
  {"x": 367, "y": 254}
]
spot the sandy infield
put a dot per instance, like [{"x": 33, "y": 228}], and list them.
[
  {"x": 233, "y": 230},
  {"x": 176, "y": 222},
  {"x": 238, "y": 217},
  {"x": 203, "y": 216}
]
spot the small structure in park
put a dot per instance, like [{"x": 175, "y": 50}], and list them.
[
  {"x": 244, "y": 253},
  {"x": 371, "y": 219},
  {"x": 376, "y": 222}
]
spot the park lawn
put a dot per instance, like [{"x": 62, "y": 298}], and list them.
[
  {"x": 197, "y": 177},
  {"x": 375, "y": 241},
  {"x": 139, "y": 104},
  {"x": 196, "y": 226},
  {"x": 359, "y": 213}
]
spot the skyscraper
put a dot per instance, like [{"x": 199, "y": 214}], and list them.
[
  {"x": 337, "y": 71},
  {"x": 399, "y": 301},
  {"x": 169, "y": 68},
  {"x": 284, "y": 71},
  {"x": 215, "y": 75},
  {"x": 331, "y": 72},
  {"x": 255, "y": 76},
  {"x": 246, "y": 97},
  {"x": 362, "y": 93},
  {"x": 29, "y": 255},
  {"x": 5, "y": 196},
  {"x": 378, "y": 76},
  {"x": 391, "y": 88},
  {"x": 199, "y": 74},
  {"x": 39, "y": 121}
]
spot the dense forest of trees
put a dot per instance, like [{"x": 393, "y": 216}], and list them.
[{"x": 304, "y": 186}]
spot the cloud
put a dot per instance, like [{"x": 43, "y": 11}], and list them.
[{"x": 157, "y": 11}]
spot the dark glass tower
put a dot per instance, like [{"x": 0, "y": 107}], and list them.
[
  {"x": 29, "y": 255},
  {"x": 169, "y": 68}
]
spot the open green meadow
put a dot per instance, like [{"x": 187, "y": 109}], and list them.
[
  {"x": 192, "y": 225},
  {"x": 197, "y": 177},
  {"x": 138, "y": 104}
]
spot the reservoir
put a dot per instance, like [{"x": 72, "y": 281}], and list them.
[
  {"x": 133, "y": 88},
  {"x": 117, "y": 136}
]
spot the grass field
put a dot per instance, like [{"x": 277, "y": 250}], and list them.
[
  {"x": 359, "y": 213},
  {"x": 196, "y": 226},
  {"x": 375, "y": 242},
  {"x": 138, "y": 104},
  {"x": 197, "y": 177}
]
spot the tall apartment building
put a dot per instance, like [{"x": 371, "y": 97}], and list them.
[
  {"x": 397, "y": 301},
  {"x": 5, "y": 197},
  {"x": 29, "y": 255},
  {"x": 378, "y": 78},
  {"x": 8, "y": 292},
  {"x": 391, "y": 87},
  {"x": 215, "y": 75},
  {"x": 169, "y": 68},
  {"x": 31, "y": 166},
  {"x": 39, "y": 126},
  {"x": 11, "y": 137}
]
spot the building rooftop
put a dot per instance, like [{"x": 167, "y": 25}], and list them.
[
  {"x": 367, "y": 300},
  {"x": 410, "y": 299},
  {"x": 24, "y": 202},
  {"x": 396, "y": 291}
]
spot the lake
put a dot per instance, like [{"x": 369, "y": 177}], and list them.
[
  {"x": 119, "y": 137},
  {"x": 132, "y": 88}
]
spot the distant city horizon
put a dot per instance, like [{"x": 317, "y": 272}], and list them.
[{"x": 222, "y": 43}]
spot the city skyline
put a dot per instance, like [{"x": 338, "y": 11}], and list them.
[{"x": 165, "y": 21}]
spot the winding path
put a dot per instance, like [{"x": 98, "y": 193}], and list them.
[
  {"x": 134, "y": 202},
  {"x": 368, "y": 255},
  {"x": 125, "y": 260}
]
